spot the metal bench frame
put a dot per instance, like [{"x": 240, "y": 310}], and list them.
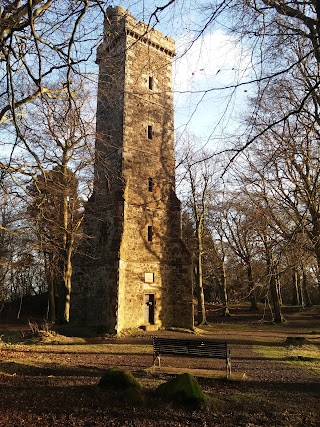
[{"x": 192, "y": 348}]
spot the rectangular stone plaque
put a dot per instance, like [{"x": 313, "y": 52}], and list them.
[{"x": 149, "y": 277}]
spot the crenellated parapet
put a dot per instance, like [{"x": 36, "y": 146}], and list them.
[{"x": 119, "y": 21}]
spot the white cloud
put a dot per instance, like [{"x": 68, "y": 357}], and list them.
[{"x": 214, "y": 61}]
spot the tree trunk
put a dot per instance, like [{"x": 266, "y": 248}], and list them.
[
  {"x": 274, "y": 291},
  {"x": 64, "y": 288},
  {"x": 49, "y": 268},
  {"x": 278, "y": 284},
  {"x": 65, "y": 266},
  {"x": 316, "y": 240},
  {"x": 224, "y": 292},
  {"x": 252, "y": 289},
  {"x": 305, "y": 290},
  {"x": 67, "y": 284},
  {"x": 60, "y": 302},
  {"x": 278, "y": 317},
  {"x": 201, "y": 317},
  {"x": 52, "y": 302},
  {"x": 295, "y": 289}
]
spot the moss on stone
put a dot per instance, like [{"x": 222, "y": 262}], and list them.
[
  {"x": 183, "y": 389},
  {"x": 134, "y": 395},
  {"x": 119, "y": 379}
]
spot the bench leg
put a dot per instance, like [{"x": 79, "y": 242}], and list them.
[
  {"x": 154, "y": 360},
  {"x": 228, "y": 365},
  {"x": 228, "y": 369}
]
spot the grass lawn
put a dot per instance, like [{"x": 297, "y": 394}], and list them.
[{"x": 275, "y": 381}]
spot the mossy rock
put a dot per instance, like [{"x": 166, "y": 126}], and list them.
[
  {"x": 119, "y": 379},
  {"x": 296, "y": 341},
  {"x": 183, "y": 389},
  {"x": 134, "y": 395}
]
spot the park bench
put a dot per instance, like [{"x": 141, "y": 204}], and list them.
[{"x": 192, "y": 348}]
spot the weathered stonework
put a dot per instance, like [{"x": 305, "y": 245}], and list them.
[{"x": 134, "y": 270}]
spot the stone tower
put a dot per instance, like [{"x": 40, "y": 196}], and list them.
[{"x": 134, "y": 270}]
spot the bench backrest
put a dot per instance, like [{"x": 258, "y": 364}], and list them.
[{"x": 196, "y": 348}]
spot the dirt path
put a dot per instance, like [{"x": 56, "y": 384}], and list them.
[{"x": 56, "y": 385}]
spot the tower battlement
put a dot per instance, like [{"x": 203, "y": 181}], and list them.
[{"x": 119, "y": 19}]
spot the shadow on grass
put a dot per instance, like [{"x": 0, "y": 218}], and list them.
[
  {"x": 14, "y": 368},
  {"x": 58, "y": 370},
  {"x": 38, "y": 350}
]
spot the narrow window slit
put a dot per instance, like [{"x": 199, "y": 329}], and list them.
[
  {"x": 150, "y": 185},
  {"x": 150, "y": 82}
]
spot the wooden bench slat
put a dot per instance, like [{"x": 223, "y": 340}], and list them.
[{"x": 192, "y": 348}]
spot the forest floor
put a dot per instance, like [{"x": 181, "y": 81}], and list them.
[{"x": 53, "y": 381}]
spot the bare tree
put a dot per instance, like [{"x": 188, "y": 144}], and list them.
[
  {"x": 21, "y": 269},
  {"x": 60, "y": 150},
  {"x": 39, "y": 43},
  {"x": 200, "y": 190},
  {"x": 45, "y": 49},
  {"x": 199, "y": 182},
  {"x": 219, "y": 249},
  {"x": 54, "y": 213},
  {"x": 282, "y": 37},
  {"x": 238, "y": 227},
  {"x": 287, "y": 159},
  {"x": 6, "y": 237}
]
